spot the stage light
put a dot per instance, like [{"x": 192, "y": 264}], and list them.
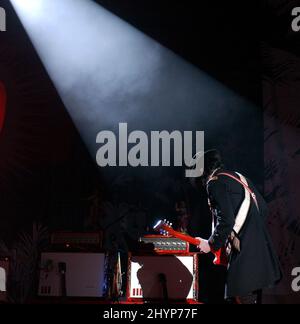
[{"x": 107, "y": 73}]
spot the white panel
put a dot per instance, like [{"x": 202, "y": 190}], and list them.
[
  {"x": 84, "y": 274},
  {"x": 179, "y": 272}
]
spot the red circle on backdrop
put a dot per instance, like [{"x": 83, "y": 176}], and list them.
[{"x": 2, "y": 105}]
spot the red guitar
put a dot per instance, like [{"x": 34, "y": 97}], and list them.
[{"x": 165, "y": 228}]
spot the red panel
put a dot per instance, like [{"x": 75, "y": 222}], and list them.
[{"x": 2, "y": 104}]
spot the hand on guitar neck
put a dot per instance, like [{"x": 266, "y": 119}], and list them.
[
  {"x": 203, "y": 246},
  {"x": 165, "y": 228}
]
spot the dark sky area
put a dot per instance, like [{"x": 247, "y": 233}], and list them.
[{"x": 47, "y": 172}]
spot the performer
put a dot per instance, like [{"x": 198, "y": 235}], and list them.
[{"x": 240, "y": 214}]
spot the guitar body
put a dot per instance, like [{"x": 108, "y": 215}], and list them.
[{"x": 221, "y": 258}]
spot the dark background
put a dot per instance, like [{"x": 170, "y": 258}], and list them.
[
  {"x": 281, "y": 71},
  {"x": 47, "y": 174}
]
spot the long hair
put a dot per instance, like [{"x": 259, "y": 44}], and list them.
[{"x": 212, "y": 161}]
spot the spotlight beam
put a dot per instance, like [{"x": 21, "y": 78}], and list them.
[{"x": 108, "y": 72}]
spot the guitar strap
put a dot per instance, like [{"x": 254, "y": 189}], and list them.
[
  {"x": 244, "y": 183},
  {"x": 244, "y": 209},
  {"x": 245, "y": 206}
]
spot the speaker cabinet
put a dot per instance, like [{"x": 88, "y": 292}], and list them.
[
  {"x": 4, "y": 268},
  {"x": 163, "y": 277},
  {"x": 72, "y": 275}
]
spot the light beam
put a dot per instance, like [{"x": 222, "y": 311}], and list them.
[{"x": 107, "y": 72}]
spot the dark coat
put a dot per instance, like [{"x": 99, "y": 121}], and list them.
[{"x": 256, "y": 266}]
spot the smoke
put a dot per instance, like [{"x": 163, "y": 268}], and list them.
[{"x": 107, "y": 72}]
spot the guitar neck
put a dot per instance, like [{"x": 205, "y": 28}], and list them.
[{"x": 186, "y": 238}]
